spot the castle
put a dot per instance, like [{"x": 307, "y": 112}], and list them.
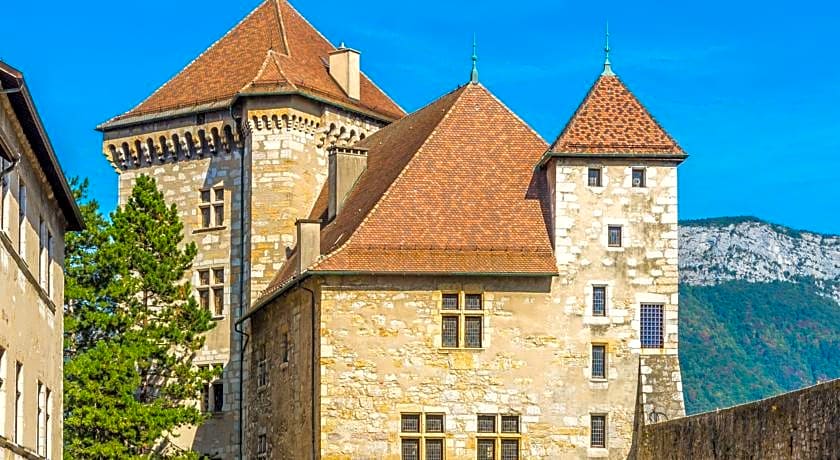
[{"x": 443, "y": 284}]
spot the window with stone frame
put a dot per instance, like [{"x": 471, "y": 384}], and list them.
[
  {"x": 598, "y": 431},
  {"x": 262, "y": 366},
  {"x": 498, "y": 437},
  {"x": 422, "y": 436},
  {"x": 599, "y": 300},
  {"x": 638, "y": 178},
  {"x": 651, "y": 318},
  {"x": 262, "y": 446},
  {"x": 462, "y": 320},
  {"x": 284, "y": 348},
  {"x": 211, "y": 290},
  {"x": 41, "y": 420},
  {"x": 614, "y": 236},
  {"x": 213, "y": 393},
  {"x": 594, "y": 177},
  {"x": 22, "y": 204},
  {"x": 599, "y": 361},
  {"x": 212, "y": 207}
]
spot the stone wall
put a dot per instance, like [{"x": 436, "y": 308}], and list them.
[
  {"x": 642, "y": 270},
  {"x": 797, "y": 425}
]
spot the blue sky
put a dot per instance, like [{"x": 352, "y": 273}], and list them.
[{"x": 750, "y": 90}]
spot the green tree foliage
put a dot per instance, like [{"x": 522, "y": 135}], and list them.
[
  {"x": 132, "y": 329},
  {"x": 742, "y": 341}
]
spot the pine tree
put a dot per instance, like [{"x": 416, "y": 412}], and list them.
[{"x": 132, "y": 329}]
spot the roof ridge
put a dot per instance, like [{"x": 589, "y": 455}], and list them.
[
  {"x": 402, "y": 173},
  {"x": 184, "y": 68},
  {"x": 292, "y": 7}
]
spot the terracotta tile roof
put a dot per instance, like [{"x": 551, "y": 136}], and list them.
[
  {"x": 275, "y": 48},
  {"x": 611, "y": 120},
  {"x": 449, "y": 189}
]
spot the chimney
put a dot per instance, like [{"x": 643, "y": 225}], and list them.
[
  {"x": 345, "y": 167},
  {"x": 308, "y": 243},
  {"x": 344, "y": 68}
]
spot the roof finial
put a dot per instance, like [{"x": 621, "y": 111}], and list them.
[
  {"x": 474, "y": 73},
  {"x": 607, "y": 66}
]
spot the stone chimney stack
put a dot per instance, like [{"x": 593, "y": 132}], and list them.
[
  {"x": 346, "y": 164},
  {"x": 309, "y": 243},
  {"x": 344, "y": 68}
]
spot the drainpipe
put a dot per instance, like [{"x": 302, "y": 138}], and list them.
[{"x": 312, "y": 351}]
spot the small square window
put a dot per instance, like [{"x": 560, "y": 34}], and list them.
[
  {"x": 486, "y": 423},
  {"x": 639, "y": 178},
  {"x": 410, "y": 423},
  {"x": 614, "y": 236},
  {"x": 203, "y": 277},
  {"x": 595, "y": 177},
  {"x": 218, "y": 275},
  {"x": 599, "y": 300},
  {"x": 449, "y": 333},
  {"x": 434, "y": 423},
  {"x": 599, "y": 361},
  {"x": 598, "y": 431},
  {"x": 205, "y": 196},
  {"x": 510, "y": 424},
  {"x": 472, "y": 331},
  {"x": 450, "y": 301},
  {"x": 473, "y": 302},
  {"x": 220, "y": 194}
]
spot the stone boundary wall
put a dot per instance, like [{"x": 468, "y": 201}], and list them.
[{"x": 803, "y": 424}]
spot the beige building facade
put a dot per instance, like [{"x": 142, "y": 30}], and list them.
[{"x": 36, "y": 209}]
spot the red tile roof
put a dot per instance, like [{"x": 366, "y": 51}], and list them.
[
  {"x": 449, "y": 189},
  {"x": 273, "y": 49},
  {"x": 611, "y": 120}
]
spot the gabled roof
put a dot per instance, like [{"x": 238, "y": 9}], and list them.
[
  {"x": 273, "y": 49},
  {"x": 610, "y": 120},
  {"x": 449, "y": 189}
]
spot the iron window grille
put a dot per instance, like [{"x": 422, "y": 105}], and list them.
[
  {"x": 498, "y": 434},
  {"x": 212, "y": 207},
  {"x": 614, "y": 236},
  {"x": 595, "y": 176},
  {"x": 652, "y": 334},
  {"x": 638, "y": 178},
  {"x": 598, "y": 431},
  {"x": 599, "y": 300},
  {"x": 462, "y": 320},
  {"x": 422, "y": 436},
  {"x": 599, "y": 361},
  {"x": 262, "y": 446}
]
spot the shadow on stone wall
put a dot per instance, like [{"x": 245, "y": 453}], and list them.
[{"x": 803, "y": 424}]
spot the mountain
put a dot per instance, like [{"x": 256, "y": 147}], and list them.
[{"x": 759, "y": 310}]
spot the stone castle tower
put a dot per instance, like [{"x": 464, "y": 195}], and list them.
[{"x": 238, "y": 140}]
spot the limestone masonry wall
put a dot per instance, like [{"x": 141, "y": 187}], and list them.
[{"x": 802, "y": 424}]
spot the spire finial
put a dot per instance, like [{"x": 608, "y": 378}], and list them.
[
  {"x": 607, "y": 66},
  {"x": 474, "y": 73}
]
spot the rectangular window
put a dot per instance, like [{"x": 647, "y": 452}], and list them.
[
  {"x": 284, "y": 350},
  {"x": 211, "y": 291},
  {"x": 4, "y": 187},
  {"x": 18, "y": 416},
  {"x": 510, "y": 449},
  {"x": 598, "y": 431},
  {"x": 50, "y": 258},
  {"x": 486, "y": 449},
  {"x": 262, "y": 366},
  {"x": 22, "y": 221},
  {"x": 48, "y": 423},
  {"x": 218, "y": 396},
  {"x": 410, "y": 449},
  {"x": 599, "y": 300},
  {"x": 510, "y": 424},
  {"x": 614, "y": 236},
  {"x": 595, "y": 177},
  {"x": 651, "y": 316},
  {"x": 639, "y": 177},
  {"x": 486, "y": 423},
  {"x": 3, "y": 392},
  {"x": 472, "y": 331},
  {"x": 473, "y": 301},
  {"x": 449, "y": 333},
  {"x": 42, "y": 252},
  {"x": 41, "y": 418},
  {"x": 262, "y": 446},
  {"x": 450, "y": 302},
  {"x": 212, "y": 207},
  {"x": 599, "y": 361},
  {"x": 422, "y": 436}
]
